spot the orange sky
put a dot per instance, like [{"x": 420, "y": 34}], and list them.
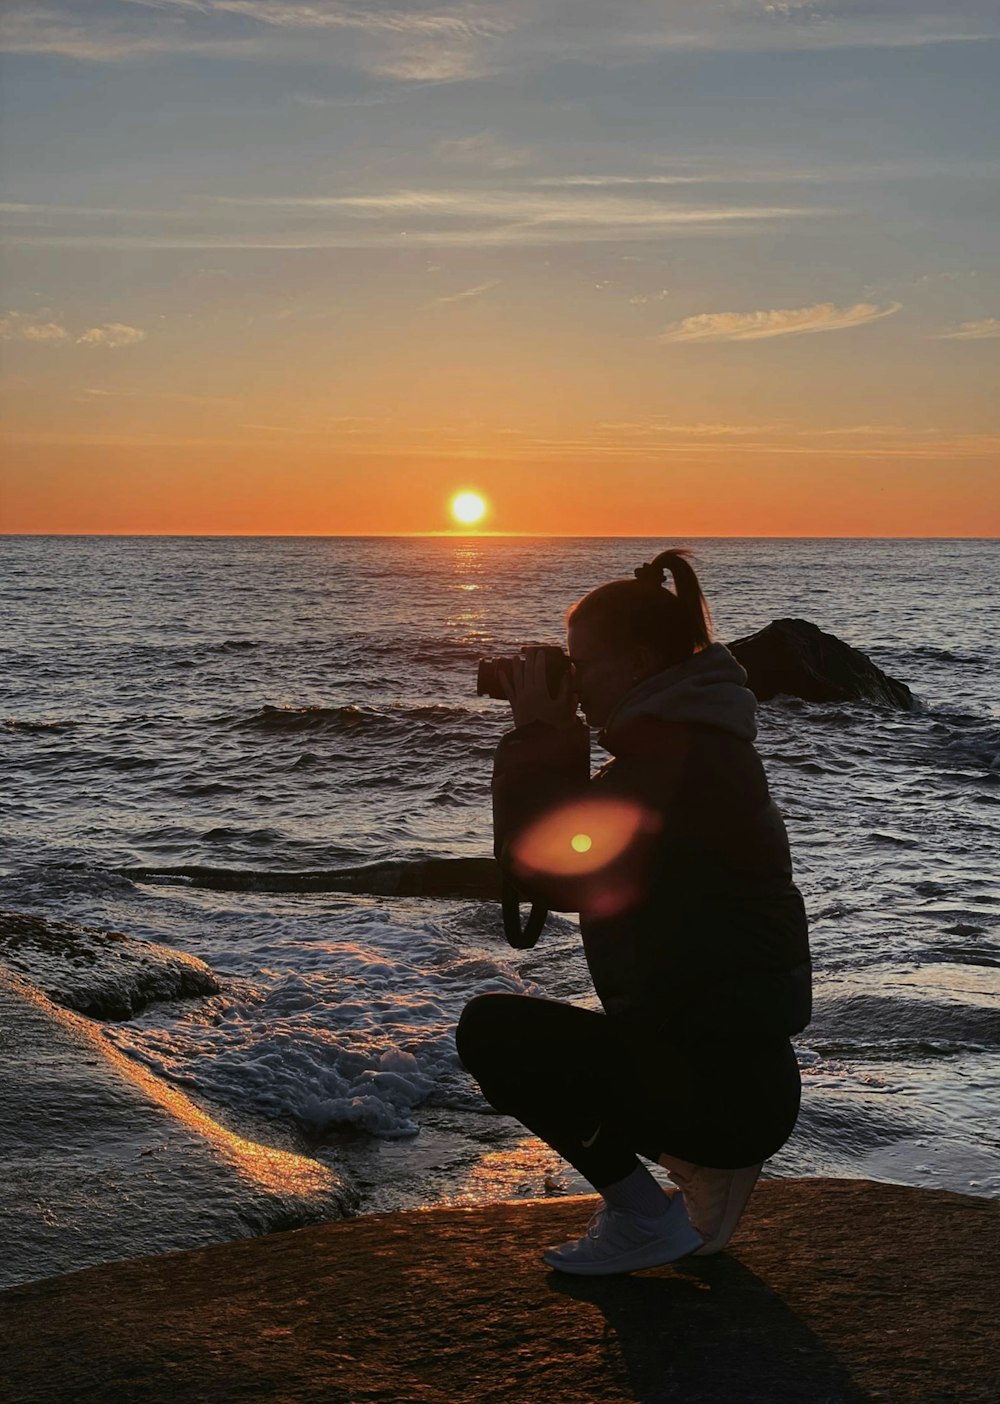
[
  {"x": 672, "y": 270},
  {"x": 208, "y": 489}
]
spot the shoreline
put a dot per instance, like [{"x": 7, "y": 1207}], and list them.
[
  {"x": 87, "y": 1132},
  {"x": 154, "y": 1256}
]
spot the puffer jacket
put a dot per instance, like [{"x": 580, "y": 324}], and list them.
[{"x": 695, "y": 929}]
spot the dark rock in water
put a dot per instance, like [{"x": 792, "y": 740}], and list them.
[
  {"x": 100, "y": 973},
  {"x": 794, "y": 657},
  {"x": 421, "y": 877}
]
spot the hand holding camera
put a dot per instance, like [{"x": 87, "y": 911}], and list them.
[{"x": 539, "y": 685}]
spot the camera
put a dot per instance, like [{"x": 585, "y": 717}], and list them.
[{"x": 493, "y": 670}]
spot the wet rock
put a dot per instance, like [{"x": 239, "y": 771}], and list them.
[
  {"x": 832, "y": 1292},
  {"x": 795, "y": 657},
  {"x": 104, "y": 1160},
  {"x": 419, "y": 877},
  {"x": 101, "y": 973}
]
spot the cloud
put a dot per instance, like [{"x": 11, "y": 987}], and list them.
[
  {"x": 715, "y": 171},
  {"x": 660, "y": 427},
  {"x": 984, "y": 330},
  {"x": 483, "y": 151},
  {"x": 112, "y": 335},
  {"x": 75, "y": 32},
  {"x": 447, "y": 40},
  {"x": 477, "y": 291},
  {"x": 433, "y": 217},
  {"x": 21, "y": 326},
  {"x": 411, "y": 41},
  {"x": 780, "y": 321},
  {"x": 512, "y": 216}
]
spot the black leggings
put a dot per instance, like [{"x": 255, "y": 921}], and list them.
[{"x": 598, "y": 1090}]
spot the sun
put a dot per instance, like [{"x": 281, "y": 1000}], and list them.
[{"x": 468, "y": 507}]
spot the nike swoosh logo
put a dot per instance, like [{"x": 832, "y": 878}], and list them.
[{"x": 587, "y": 1144}]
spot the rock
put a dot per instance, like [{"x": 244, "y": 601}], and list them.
[
  {"x": 101, "y": 973},
  {"x": 795, "y": 657},
  {"x": 420, "y": 877},
  {"x": 103, "y": 1160},
  {"x": 833, "y": 1292}
]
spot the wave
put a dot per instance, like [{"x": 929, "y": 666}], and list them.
[
  {"x": 966, "y": 740},
  {"x": 359, "y": 1042},
  {"x": 872, "y": 1022},
  {"x": 346, "y": 718},
  {"x": 931, "y": 653},
  {"x": 29, "y": 724},
  {"x": 984, "y": 955},
  {"x": 48, "y": 883}
]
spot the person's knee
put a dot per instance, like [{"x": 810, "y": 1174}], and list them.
[{"x": 479, "y": 1036}]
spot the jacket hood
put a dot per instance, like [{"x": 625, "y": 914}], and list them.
[{"x": 708, "y": 689}]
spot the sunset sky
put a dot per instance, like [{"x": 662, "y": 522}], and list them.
[{"x": 622, "y": 267}]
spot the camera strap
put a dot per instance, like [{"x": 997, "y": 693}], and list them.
[{"x": 510, "y": 905}]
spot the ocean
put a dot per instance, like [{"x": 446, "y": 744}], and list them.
[{"x": 295, "y": 705}]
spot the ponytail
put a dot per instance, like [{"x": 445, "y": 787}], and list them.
[
  {"x": 674, "y": 623},
  {"x": 694, "y": 607}
]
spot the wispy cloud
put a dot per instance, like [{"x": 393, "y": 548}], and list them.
[
  {"x": 397, "y": 219},
  {"x": 484, "y": 152},
  {"x": 111, "y": 335},
  {"x": 661, "y": 427},
  {"x": 704, "y": 171},
  {"x": 407, "y": 42},
  {"x": 780, "y": 321},
  {"x": 476, "y": 291},
  {"x": 171, "y": 396},
  {"x": 641, "y": 299},
  {"x": 984, "y": 330},
  {"x": 519, "y": 215},
  {"x": 21, "y": 326},
  {"x": 423, "y": 41},
  {"x": 811, "y": 444},
  {"x": 111, "y": 36}
]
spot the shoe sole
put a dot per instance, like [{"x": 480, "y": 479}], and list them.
[{"x": 737, "y": 1195}]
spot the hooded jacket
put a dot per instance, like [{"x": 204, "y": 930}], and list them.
[{"x": 692, "y": 926}]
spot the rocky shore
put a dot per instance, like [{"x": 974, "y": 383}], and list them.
[
  {"x": 833, "y": 1292},
  {"x": 152, "y": 1255},
  {"x": 102, "y": 1160}
]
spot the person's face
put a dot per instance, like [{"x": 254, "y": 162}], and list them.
[{"x": 602, "y": 674}]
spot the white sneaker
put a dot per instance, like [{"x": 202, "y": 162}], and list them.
[
  {"x": 620, "y": 1242},
  {"x": 715, "y": 1199}
]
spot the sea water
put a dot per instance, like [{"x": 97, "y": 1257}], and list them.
[{"x": 295, "y": 705}]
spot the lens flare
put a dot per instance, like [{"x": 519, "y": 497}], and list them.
[
  {"x": 580, "y": 837},
  {"x": 591, "y": 855}
]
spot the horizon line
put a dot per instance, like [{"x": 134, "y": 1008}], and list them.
[{"x": 452, "y": 535}]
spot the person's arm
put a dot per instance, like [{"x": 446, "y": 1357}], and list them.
[
  {"x": 537, "y": 768},
  {"x": 629, "y": 814},
  {"x": 542, "y": 763}
]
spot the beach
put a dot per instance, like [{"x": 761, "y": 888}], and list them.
[{"x": 846, "y": 1291}]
